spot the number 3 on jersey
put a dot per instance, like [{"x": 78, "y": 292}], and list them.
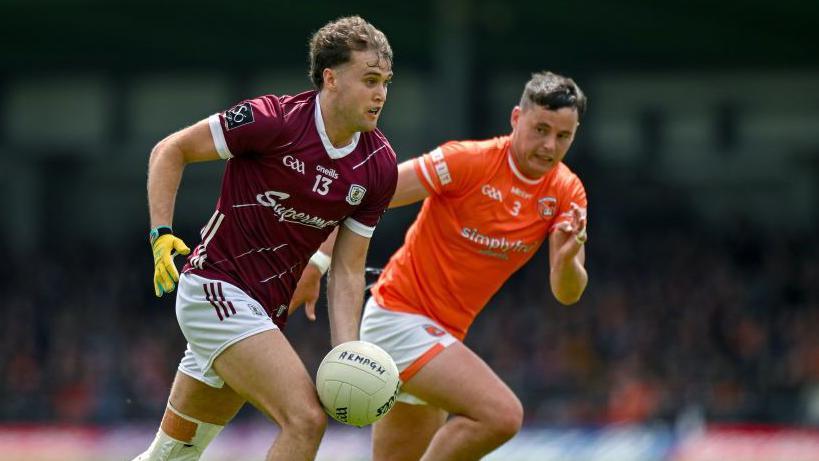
[
  {"x": 322, "y": 185},
  {"x": 516, "y": 208}
]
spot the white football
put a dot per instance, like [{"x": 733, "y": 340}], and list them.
[{"x": 357, "y": 383}]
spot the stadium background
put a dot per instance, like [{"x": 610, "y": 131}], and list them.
[{"x": 699, "y": 151}]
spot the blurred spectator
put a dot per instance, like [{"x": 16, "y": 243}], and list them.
[{"x": 671, "y": 321}]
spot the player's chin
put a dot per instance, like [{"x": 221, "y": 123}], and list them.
[
  {"x": 541, "y": 166},
  {"x": 369, "y": 125}
]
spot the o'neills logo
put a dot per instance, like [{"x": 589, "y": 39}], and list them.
[
  {"x": 272, "y": 199},
  {"x": 496, "y": 243}
]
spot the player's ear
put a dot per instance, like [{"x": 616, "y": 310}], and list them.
[
  {"x": 513, "y": 119},
  {"x": 329, "y": 78}
]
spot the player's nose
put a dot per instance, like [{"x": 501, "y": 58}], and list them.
[
  {"x": 380, "y": 93},
  {"x": 549, "y": 143}
]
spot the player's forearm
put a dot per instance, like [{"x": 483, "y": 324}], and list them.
[
  {"x": 164, "y": 175},
  {"x": 568, "y": 280},
  {"x": 345, "y": 294},
  {"x": 321, "y": 259}
]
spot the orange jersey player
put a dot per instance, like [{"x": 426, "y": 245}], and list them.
[
  {"x": 488, "y": 207},
  {"x": 483, "y": 220}
]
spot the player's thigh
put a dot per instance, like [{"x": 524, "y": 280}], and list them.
[
  {"x": 198, "y": 400},
  {"x": 405, "y": 432},
  {"x": 265, "y": 370},
  {"x": 460, "y": 382}
]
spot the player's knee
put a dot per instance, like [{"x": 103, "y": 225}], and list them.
[
  {"x": 308, "y": 421},
  {"x": 506, "y": 420},
  {"x": 316, "y": 420}
]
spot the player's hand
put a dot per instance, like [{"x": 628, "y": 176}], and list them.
[
  {"x": 165, "y": 247},
  {"x": 575, "y": 229},
  {"x": 307, "y": 292}
]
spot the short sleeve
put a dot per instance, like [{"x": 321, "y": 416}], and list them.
[
  {"x": 366, "y": 217},
  {"x": 570, "y": 191},
  {"x": 251, "y": 126},
  {"x": 450, "y": 169}
]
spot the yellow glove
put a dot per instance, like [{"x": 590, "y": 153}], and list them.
[{"x": 165, "y": 246}]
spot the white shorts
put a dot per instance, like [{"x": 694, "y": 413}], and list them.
[
  {"x": 214, "y": 315},
  {"x": 412, "y": 340}
]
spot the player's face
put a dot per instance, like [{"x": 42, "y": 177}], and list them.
[
  {"x": 362, "y": 89},
  {"x": 541, "y": 137}
]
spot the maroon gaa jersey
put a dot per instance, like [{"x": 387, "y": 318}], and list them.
[{"x": 285, "y": 188}]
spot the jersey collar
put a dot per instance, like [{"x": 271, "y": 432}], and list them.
[
  {"x": 335, "y": 153},
  {"x": 517, "y": 172}
]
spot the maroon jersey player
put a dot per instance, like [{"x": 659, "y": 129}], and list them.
[
  {"x": 270, "y": 220},
  {"x": 298, "y": 167}
]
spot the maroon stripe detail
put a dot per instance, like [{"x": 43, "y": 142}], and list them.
[
  {"x": 213, "y": 290},
  {"x": 210, "y": 299},
  {"x": 222, "y": 295}
]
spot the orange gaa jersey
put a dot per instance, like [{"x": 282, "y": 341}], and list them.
[{"x": 481, "y": 222}]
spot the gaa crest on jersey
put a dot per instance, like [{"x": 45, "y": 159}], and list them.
[
  {"x": 355, "y": 194},
  {"x": 547, "y": 206},
  {"x": 239, "y": 115}
]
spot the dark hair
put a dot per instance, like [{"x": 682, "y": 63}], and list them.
[
  {"x": 332, "y": 45},
  {"x": 552, "y": 91}
]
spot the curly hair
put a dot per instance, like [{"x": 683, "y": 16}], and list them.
[{"x": 333, "y": 44}]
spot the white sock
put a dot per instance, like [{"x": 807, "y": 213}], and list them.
[{"x": 166, "y": 448}]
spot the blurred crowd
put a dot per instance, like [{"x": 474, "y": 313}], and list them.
[{"x": 674, "y": 323}]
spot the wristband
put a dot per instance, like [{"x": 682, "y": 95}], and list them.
[
  {"x": 581, "y": 237},
  {"x": 157, "y": 231},
  {"x": 321, "y": 261}
]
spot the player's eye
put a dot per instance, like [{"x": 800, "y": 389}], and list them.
[{"x": 564, "y": 135}]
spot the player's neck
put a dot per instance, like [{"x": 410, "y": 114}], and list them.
[{"x": 339, "y": 134}]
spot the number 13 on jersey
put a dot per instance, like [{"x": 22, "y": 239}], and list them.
[{"x": 322, "y": 184}]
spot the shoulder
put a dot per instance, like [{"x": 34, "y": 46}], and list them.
[
  {"x": 484, "y": 147},
  {"x": 261, "y": 109},
  {"x": 283, "y": 115},
  {"x": 469, "y": 156},
  {"x": 379, "y": 146},
  {"x": 271, "y": 104},
  {"x": 267, "y": 102},
  {"x": 299, "y": 101},
  {"x": 300, "y": 106},
  {"x": 566, "y": 181},
  {"x": 375, "y": 169},
  {"x": 565, "y": 174}
]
